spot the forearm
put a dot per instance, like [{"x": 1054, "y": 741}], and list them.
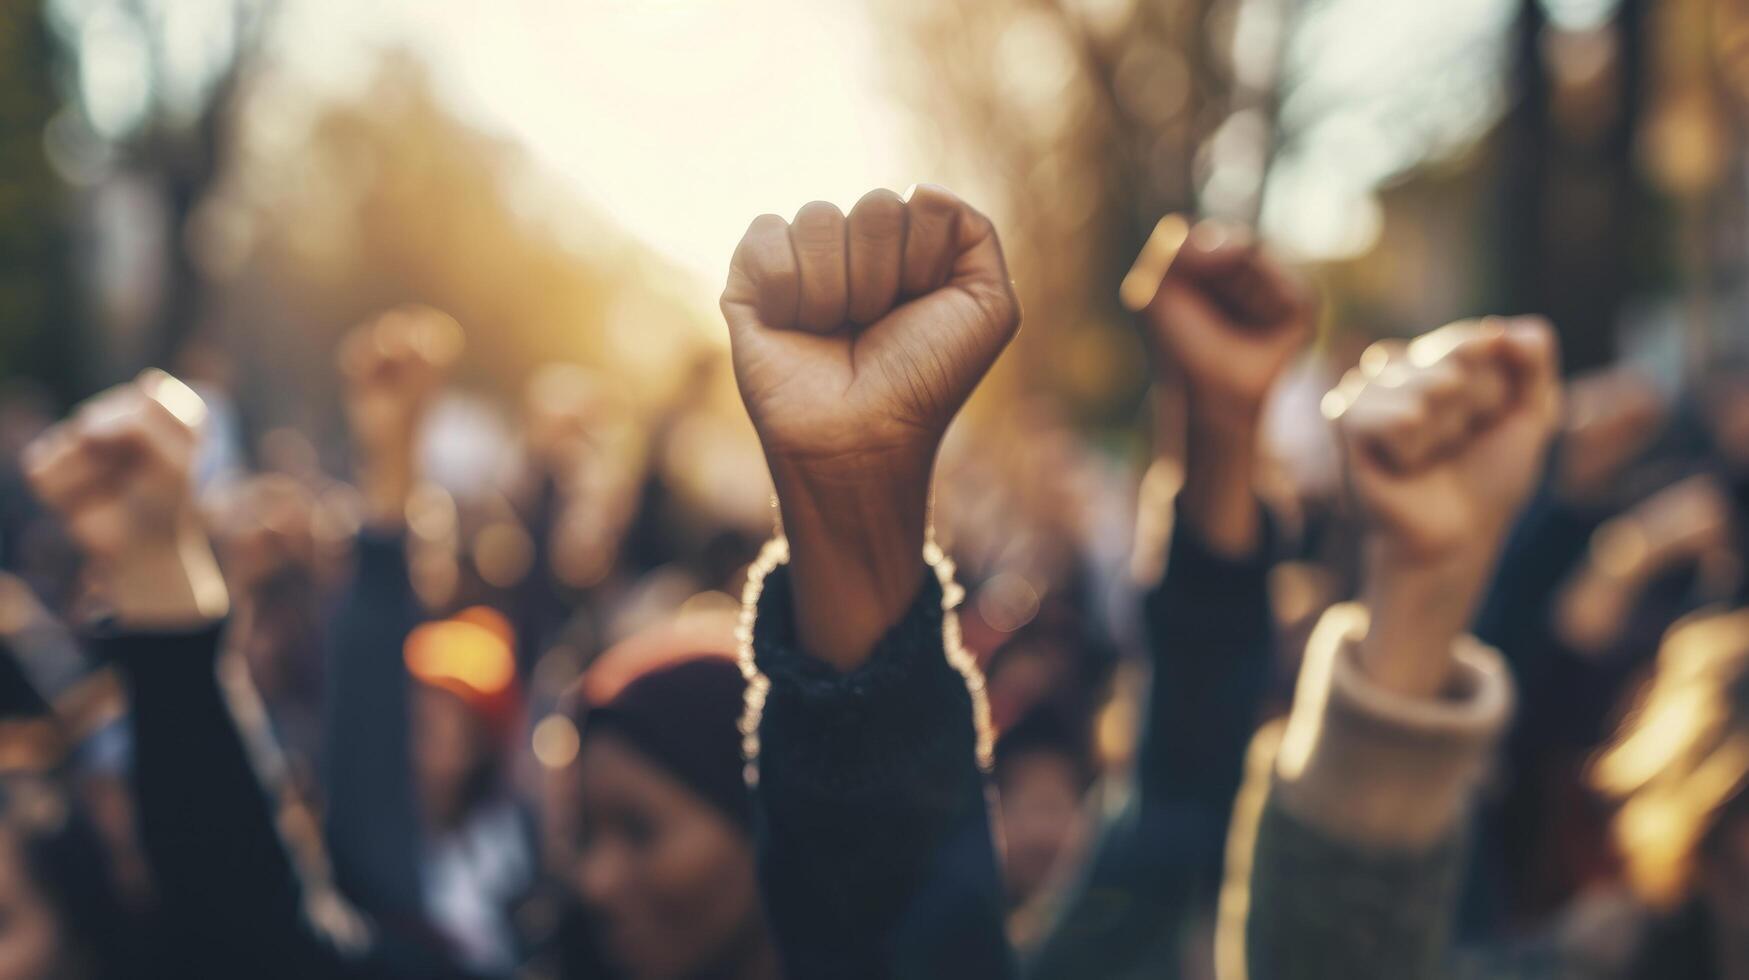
[
  {"x": 372, "y": 823},
  {"x": 1212, "y": 638},
  {"x": 1211, "y": 633},
  {"x": 1356, "y": 861},
  {"x": 206, "y": 822},
  {"x": 169, "y": 585},
  {"x": 1418, "y": 610},
  {"x": 1378, "y": 765},
  {"x": 1219, "y": 498},
  {"x": 856, "y": 550},
  {"x": 875, "y": 847},
  {"x": 1317, "y": 906},
  {"x": 387, "y": 475}
]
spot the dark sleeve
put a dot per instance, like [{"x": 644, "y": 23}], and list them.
[
  {"x": 228, "y": 885},
  {"x": 1542, "y": 550},
  {"x": 372, "y": 824},
  {"x": 875, "y": 849},
  {"x": 207, "y": 825},
  {"x": 1322, "y": 908},
  {"x": 1211, "y": 634}
]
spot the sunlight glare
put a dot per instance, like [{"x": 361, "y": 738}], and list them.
[{"x": 774, "y": 102}]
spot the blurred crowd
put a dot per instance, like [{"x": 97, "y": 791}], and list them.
[{"x": 488, "y": 691}]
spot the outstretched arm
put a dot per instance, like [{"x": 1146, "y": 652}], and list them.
[
  {"x": 392, "y": 367},
  {"x": 118, "y": 473},
  {"x": 1222, "y": 321},
  {"x": 1357, "y": 852},
  {"x": 855, "y": 340}
]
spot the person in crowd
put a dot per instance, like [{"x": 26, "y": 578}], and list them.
[
  {"x": 1222, "y": 320},
  {"x": 1354, "y": 854},
  {"x": 1364, "y": 745},
  {"x": 422, "y": 717},
  {"x": 657, "y": 868},
  {"x": 876, "y": 731},
  {"x": 119, "y": 473},
  {"x": 664, "y": 851}
]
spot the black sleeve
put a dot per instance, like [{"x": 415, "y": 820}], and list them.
[
  {"x": 1212, "y": 637},
  {"x": 228, "y": 885},
  {"x": 1542, "y": 550},
  {"x": 208, "y": 827},
  {"x": 372, "y": 824},
  {"x": 876, "y": 854}
]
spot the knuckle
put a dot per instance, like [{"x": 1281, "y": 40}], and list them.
[
  {"x": 765, "y": 225},
  {"x": 817, "y": 217},
  {"x": 877, "y": 219}
]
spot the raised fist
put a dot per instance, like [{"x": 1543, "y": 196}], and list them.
[
  {"x": 1220, "y": 310},
  {"x": 1445, "y": 436},
  {"x": 393, "y": 366},
  {"x": 855, "y": 341},
  {"x": 1444, "y": 440},
  {"x": 860, "y": 337},
  {"x": 119, "y": 474}
]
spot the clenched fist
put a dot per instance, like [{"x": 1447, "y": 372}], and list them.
[
  {"x": 119, "y": 474},
  {"x": 1444, "y": 441},
  {"x": 393, "y": 367},
  {"x": 857, "y": 337},
  {"x": 856, "y": 340},
  {"x": 1221, "y": 320},
  {"x": 1221, "y": 311}
]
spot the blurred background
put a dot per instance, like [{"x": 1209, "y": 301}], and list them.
[
  {"x": 224, "y": 188},
  {"x": 236, "y": 181}
]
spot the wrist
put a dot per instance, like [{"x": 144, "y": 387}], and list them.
[
  {"x": 1218, "y": 498},
  {"x": 855, "y": 530},
  {"x": 385, "y": 481},
  {"x": 172, "y": 583},
  {"x": 1419, "y": 607}
]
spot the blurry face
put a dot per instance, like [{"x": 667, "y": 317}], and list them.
[
  {"x": 30, "y": 938},
  {"x": 447, "y": 747},
  {"x": 1041, "y": 818},
  {"x": 669, "y": 878}
]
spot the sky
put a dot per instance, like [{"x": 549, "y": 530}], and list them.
[{"x": 682, "y": 119}]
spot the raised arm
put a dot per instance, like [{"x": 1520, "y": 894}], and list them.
[
  {"x": 856, "y": 340},
  {"x": 118, "y": 473},
  {"x": 392, "y": 367},
  {"x": 1222, "y": 321},
  {"x": 1356, "y": 856}
]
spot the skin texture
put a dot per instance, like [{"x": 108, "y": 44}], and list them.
[
  {"x": 118, "y": 474},
  {"x": 670, "y": 879},
  {"x": 855, "y": 341},
  {"x": 394, "y": 366},
  {"x": 1444, "y": 440},
  {"x": 1225, "y": 320}
]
